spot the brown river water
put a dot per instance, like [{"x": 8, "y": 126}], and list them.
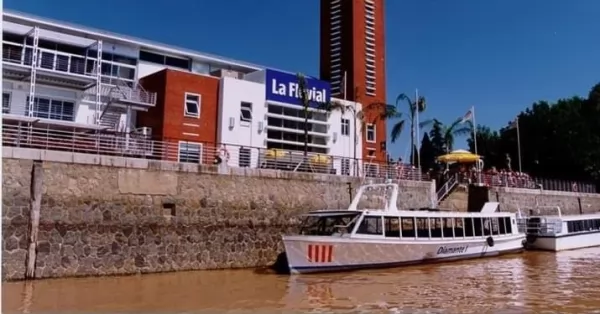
[{"x": 567, "y": 282}]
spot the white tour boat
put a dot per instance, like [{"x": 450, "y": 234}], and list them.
[
  {"x": 557, "y": 232},
  {"x": 339, "y": 240}
]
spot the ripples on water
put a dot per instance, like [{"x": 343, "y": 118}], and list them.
[{"x": 567, "y": 282}]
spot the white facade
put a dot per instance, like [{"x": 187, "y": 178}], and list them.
[
  {"x": 250, "y": 125},
  {"x": 235, "y": 129},
  {"x": 104, "y": 63}
]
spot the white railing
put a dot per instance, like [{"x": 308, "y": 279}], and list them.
[
  {"x": 49, "y": 59},
  {"x": 138, "y": 146},
  {"x": 131, "y": 91},
  {"x": 447, "y": 188}
]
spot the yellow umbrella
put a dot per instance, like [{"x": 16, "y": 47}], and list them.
[
  {"x": 275, "y": 153},
  {"x": 319, "y": 159},
  {"x": 459, "y": 156}
]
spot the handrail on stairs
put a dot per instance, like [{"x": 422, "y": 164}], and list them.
[{"x": 447, "y": 187}]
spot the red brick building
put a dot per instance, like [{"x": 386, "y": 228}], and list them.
[
  {"x": 186, "y": 114},
  {"x": 353, "y": 47}
]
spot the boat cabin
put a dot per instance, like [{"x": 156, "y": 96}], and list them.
[
  {"x": 422, "y": 223},
  {"x": 408, "y": 224},
  {"x": 555, "y": 224}
]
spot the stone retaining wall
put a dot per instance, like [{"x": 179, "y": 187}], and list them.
[
  {"x": 512, "y": 199},
  {"x": 110, "y": 215}
]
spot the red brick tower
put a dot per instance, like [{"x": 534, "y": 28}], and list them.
[{"x": 353, "y": 46}]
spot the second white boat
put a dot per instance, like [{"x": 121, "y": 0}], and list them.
[{"x": 557, "y": 232}]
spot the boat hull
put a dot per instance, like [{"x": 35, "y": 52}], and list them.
[
  {"x": 307, "y": 254},
  {"x": 564, "y": 242}
]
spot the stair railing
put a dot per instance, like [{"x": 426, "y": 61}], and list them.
[{"x": 447, "y": 187}]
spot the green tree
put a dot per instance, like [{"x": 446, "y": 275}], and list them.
[
  {"x": 436, "y": 136},
  {"x": 488, "y": 142},
  {"x": 449, "y": 132},
  {"x": 558, "y": 140},
  {"x": 414, "y": 106},
  {"x": 427, "y": 153}
]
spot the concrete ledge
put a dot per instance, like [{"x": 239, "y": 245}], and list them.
[
  {"x": 534, "y": 192},
  {"x": 160, "y": 165}
]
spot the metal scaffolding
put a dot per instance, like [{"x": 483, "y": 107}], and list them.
[
  {"x": 98, "y": 72},
  {"x": 32, "y": 58},
  {"x": 35, "y": 32}
]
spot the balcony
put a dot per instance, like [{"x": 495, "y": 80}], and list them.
[
  {"x": 129, "y": 94},
  {"x": 53, "y": 67}
]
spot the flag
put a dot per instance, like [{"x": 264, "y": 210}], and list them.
[
  {"x": 513, "y": 124},
  {"x": 468, "y": 116}
]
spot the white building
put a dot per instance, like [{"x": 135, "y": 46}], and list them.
[
  {"x": 60, "y": 74},
  {"x": 263, "y": 110}
]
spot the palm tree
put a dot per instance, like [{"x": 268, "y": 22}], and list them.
[
  {"x": 305, "y": 100},
  {"x": 385, "y": 111},
  {"x": 414, "y": 106},
  {"x": 449, "y": 132}
]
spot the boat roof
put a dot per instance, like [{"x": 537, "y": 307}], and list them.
[
  {"x": 331, "y": 213},
  {"x": 569, "y": 217},
  {"x": 409, "y": 213}
]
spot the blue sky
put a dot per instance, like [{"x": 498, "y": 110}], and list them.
[{"x": 498, "y": 55}]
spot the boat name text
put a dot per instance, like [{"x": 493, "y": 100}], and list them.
[{"x": 452, "y": 250}]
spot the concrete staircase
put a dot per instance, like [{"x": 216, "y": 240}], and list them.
[{"x": 457, "y": 199}]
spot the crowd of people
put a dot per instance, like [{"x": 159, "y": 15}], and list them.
[{"x": 494, "y": 177}]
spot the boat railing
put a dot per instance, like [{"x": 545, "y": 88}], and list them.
[
  {"x": 537, "y": 211},
  {"x": 389, "y": 191},
  {"x": 539, "y": 226}
]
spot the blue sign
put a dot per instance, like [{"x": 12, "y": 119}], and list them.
[{"x": 284, "y": 87}]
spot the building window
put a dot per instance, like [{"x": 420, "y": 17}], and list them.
[
  {"x": 190, "y": 152},
  {"x": 192, "y": 105},
  {"x": 246, "y": 111},
  {"x": 176, "y": 62},
  {"x": 345, "y": 127},
  {"x": 345, "y": 167},
  {"x": 370, "y": 133},
  {"x": 244, "y": 158},
  {"x": 5, "y": 102},
  {"x": 50, "y": 109}
]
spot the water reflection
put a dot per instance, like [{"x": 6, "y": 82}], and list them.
[{"x": 566, "y": 282}]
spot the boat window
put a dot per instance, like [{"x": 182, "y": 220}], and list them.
[
  {"x": 408, "y": 227},
  {"x": 495, "y": 226},
  {"x": 392, "y": 227},
  {"x": 370, "y": 225},
  {"x": 487, "y": 226},
  {"x": 327, "y": 225},
  {"x": 501, "y": 225},
  {"x": 422, "y": 228},
  {"x": 436, "y": 227},
  {"x": 469, "y": 230},
  {"x": 478, "y": 226},
  {"x": 508, "y": 225},
  {"x": 583, "y": 225},
  {"x": 459, "y": 230},
  {"x": 447, "y": 227}
]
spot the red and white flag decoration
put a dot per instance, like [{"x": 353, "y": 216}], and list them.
[
  {"x": 468, "y": 116},
  {"x": 320, "y": 253}
]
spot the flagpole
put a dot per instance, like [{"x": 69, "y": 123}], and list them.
[
  {"x": 345, "y": 84},
  {"x": 475, "y": 143},
  {"x": 355, "y": 139},
  {"x": 519, "y": 143},
  {"x": 416, "y": 126}
]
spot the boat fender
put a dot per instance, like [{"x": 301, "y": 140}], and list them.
[{"x": 490, "y": 241}]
